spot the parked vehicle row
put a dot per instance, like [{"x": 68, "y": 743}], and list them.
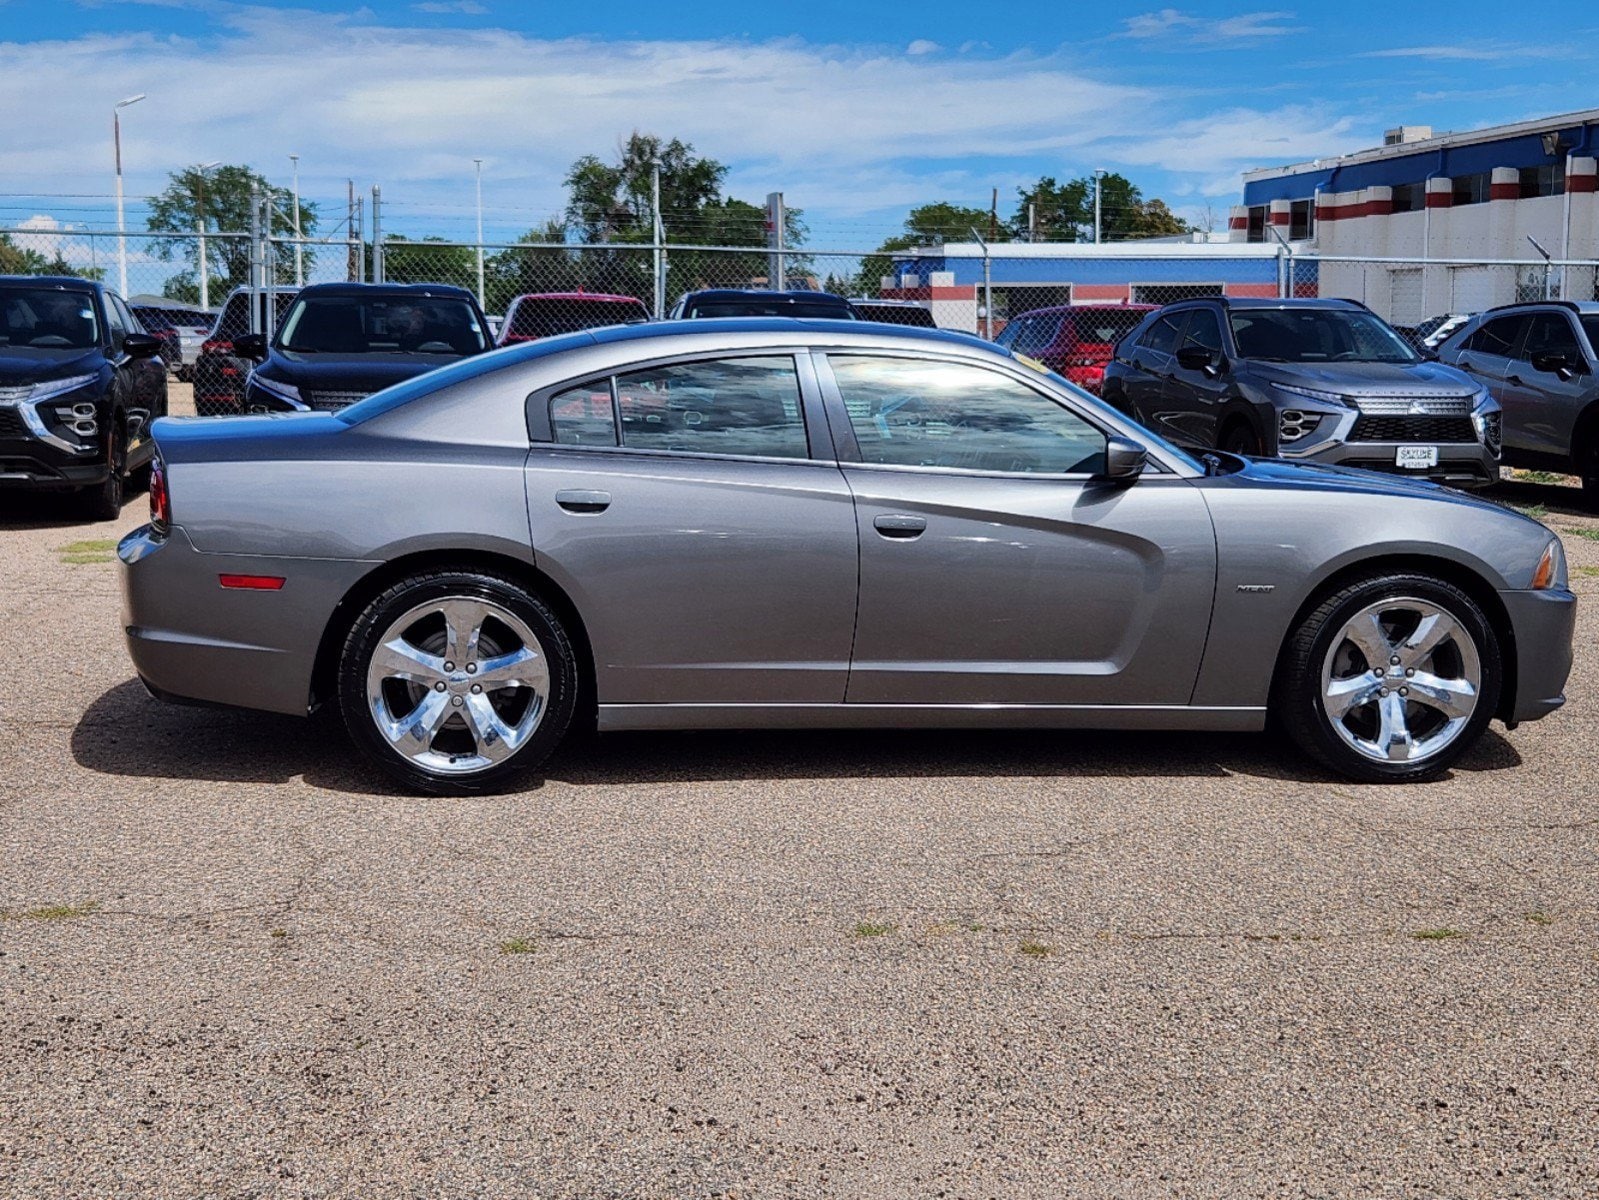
[
  {"x": 868, "y": 527},
  {"x": 80, "y": 383},
  {"x": 182, "y": 332}
]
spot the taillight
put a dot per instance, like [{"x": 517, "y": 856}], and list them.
[
  {"x": 160, "y": 501},
  {"x": 217, "y": 346}
]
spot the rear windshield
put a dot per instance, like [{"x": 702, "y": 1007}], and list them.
[
  {"x": 891, "y": 314},
  {"x": 755, "y": 307},
  {"x": 546, "y": 318},
  {"x": 1317, "y": 335},
  {"x": 47, "y": 319},
  {"x": 1102, "y": 326},
  {"x": 378, "y": 324},
  {"x": 235, "y": 319}
]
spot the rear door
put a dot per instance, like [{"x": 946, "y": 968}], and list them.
[
  {"x": 994, "y": 568},
  {"x": 693, "y": 512}
]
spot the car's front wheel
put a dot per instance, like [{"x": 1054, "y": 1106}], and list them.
[
  {"x": 454, "y": 682},
  {"x": 1390, "y": 679},
  {"x": 103, "y": 501}
]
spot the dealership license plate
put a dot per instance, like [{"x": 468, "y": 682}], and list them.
[{"x": 1416, "y": 458}]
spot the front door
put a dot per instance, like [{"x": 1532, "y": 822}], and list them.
[
  {"x": 1541, "y": 406},
  {"x": 1194, "y": 396},
  {"x": 713, "y": 560},
  {"x": 994, "y": 567}
]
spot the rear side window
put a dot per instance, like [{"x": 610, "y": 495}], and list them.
[
  {"x": 584, "y": 415},
  {"x": 1498, "y": 336},
  {"x": 1162, "y": 335}
]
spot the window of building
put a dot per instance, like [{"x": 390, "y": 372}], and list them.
[
  {"x": 1257, "y": 223},
  {"x": 1410, "y": 197},
  {"x": 1301, "y": 221},
  {"x": 1547, "y": 180},
  {"x": 1473, "y": 189}
]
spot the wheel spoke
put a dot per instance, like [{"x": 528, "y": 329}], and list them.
[
  {"x": 398, "y": 659},
  {"x": 1343, "y": 696},
  {"x": 1455, "y": 698},
  {"x": 522, "y": 667},
  {"x": 463, "y": 625},
  {"x": 495, "y": 739},
  {"x": 412, "y": 735},
  {"x": 1371, "y": 639},
  {"x": 1433, "y": 630},
  {"x": 1393, "y": 732}
]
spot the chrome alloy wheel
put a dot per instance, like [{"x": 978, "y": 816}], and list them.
[
  {"x": 1401, "y": 680},
  {"x": 457, "y": 685}
]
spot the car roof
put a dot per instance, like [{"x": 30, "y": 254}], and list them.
[
  {"x": 711, "y": 330},
  {"x": 386, "y": 289},
  {"x": 601, "y": 297},
  {"x": 1091, "y": 306},
  {"x": 762, "y": 293},
  {"x": 65, "y": 283},
  {"x": 1585, "y": 308},
  {"x": 1244, "y": 302}
]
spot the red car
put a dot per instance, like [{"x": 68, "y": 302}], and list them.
[
  {"x": 545, "y": 314},
  {"x": 1073, "y": 340}
]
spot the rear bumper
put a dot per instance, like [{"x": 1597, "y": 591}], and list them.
[
  {"x": 1543, "y": 624},
  {"x": 193, "y": 640}
]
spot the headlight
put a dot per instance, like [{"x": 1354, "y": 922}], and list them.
[
  {"x": 276, "y": 387},
  {"x": 1312, "y": 393},
  {"x": 1488, "y": 420},
  {"x": 1551, "y": 569},
  {"x": 47, "y": 389}
]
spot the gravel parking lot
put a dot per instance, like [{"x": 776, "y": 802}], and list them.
[{"x": 235, "y": 963}]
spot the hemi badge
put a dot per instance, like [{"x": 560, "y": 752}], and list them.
[
  {"x": 254, "y": 583},
  {"x": 1257, "y": 587}
]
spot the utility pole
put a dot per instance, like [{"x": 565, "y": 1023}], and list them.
[
  {"x": 199, "y": 227},
  {"x": 993, "y": 216},
  {"x": 1099, "y": 174},
  {"x": 377, "y": 234},
  {"x": 658, "y": 236},
  {"x": 116, "y": 142},
  {"x": 481, "y": 297},
  {"x": 299, "y": 259},
  {"x": 353, "y": 269}
]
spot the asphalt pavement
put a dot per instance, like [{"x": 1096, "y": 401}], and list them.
[{"x": 234, "y": 963}]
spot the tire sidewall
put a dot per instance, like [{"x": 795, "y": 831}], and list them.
[
  {"x": 393, "y": 603},
  {"x": 1307, "y": 718}
]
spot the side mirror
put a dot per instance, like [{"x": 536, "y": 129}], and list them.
[
  {"x": 251, "y": 345},
  {"x": 1124, "y": 460},
  {"x": 141, "y": 345},
  {"x": 1197, "y": 358}
]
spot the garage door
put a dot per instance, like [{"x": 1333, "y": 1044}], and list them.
[
  {"x": 1404, "y": 296},
  {"x": 1471, "y": 289}
]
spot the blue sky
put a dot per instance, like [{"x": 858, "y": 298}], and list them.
[{"x": 855, "y": 111}]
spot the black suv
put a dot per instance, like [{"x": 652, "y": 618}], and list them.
[
  {"x": 220, "y": 369},
  {"x": 1541, "y": 362},
  {"x": 80, "y": 382},
  {"x": 754, "y": 302},
  {"x": 340, "y": 342},
  {"x": 1320, "y": 380}
]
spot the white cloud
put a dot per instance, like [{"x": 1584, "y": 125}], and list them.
[
  {"x": 1454, "y": 53},
  {"x": 923, "y": 46},
  {"x": 469, "y": 7},
  {"x": 1246, "y": 26}
]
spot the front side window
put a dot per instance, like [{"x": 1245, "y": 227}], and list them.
[
  {"x": 116, "y": 327},
  {"x": 926, "y": 413},
  {"x": 1551, "y": 333},
  {"x": 1204, "y": 331},
  {"x": 1313, "y": 335}
]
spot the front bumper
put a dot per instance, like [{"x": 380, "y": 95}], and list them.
[
  {"x": 193, "y": 640},
  {"x": 30, "y": 463},
  {"x": 1543, "y": 624},
  {"x": 1468, "y": 464}
]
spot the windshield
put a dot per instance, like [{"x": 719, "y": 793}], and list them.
[
  {"x": 47, "y": 319},
  {"x": 755, "y": 307},
  {"x": 546, "y": 318},
  {"x": 392, "y": 324},
  {"x": 1317, "y": 335}
]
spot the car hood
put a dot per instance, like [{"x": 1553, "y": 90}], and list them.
[
  {"x": 1369, "y": 378},
  {"x": 350, "y": 372},
  {"x": 20, "y": 369}
]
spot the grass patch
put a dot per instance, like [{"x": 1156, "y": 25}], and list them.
[
  {"x": 90, "y": 550},
  {"x": 871, "y": 929},
  {"x": 1536, "y": 476},
  {"x": 280, "y": 933},
  {"x": 55, "y": 912},
  {"x": 1436, "y": 935},
  {"x": 1585, "y": 572},
  {"x": 1538, "y": 918},
  {"x": 517, "y": 945},
  {"x": 1536, "y": 511},
  {"x": 1035, "y": 949},
  {"x": 1591, "y": 534}
]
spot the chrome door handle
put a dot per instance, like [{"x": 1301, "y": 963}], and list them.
[
  {"x": 899, "y": 526},
  {"x": 575, "y": 500}
]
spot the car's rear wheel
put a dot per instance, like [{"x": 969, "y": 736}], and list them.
[
  {"x": 454, "y": 682},
  {"x": 1390, "y": 679}
]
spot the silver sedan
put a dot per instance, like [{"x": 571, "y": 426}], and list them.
[{"x": 789, "y": 523}]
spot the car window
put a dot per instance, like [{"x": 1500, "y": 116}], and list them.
[
  {"x": 1550, "y": 333},
  {"x": 584, "y": 415},
  {"x": 928, "y": 413},
  {"x": 128, "y": 321},
  {"x": 46, "y": 319},
  {"x": 1590, "y": 326},
  {"x": 1097, "y": 326},
  {"x": 1498, "y": 336},
  {"x": 1204, "y": 331},
  {"x": 1036, "y": 334},
  {"x": 1012, "y": 331},
  {"x": 1162, "y": 335},
  {"x": 1317, "y": 335},
  {"x": 116, "y": 327},
  {"x": 747, "y": 406}
]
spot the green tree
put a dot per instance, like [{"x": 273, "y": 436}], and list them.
[
  {"x": 225, "y": 208},
  {"x": 431, "y": 260},
  {"x": 926, "y": 225},
  {"x": 15, "y": 260},
  {"x": 1064, "y": 212}
]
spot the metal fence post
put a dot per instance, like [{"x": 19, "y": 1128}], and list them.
[
  {"x": 255, "y": 258},
  {"x": 657, "y": 236},
  {"x": 377, "y": 234}
]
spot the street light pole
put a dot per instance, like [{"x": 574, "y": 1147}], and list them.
[
  {"x": 299, "y": 259},
  {"x": 116, "y": 142},
  {"x": 1098, "y": 175},
  {"x": 199, "y": 221},
  {"x": 482, "y": 299}
]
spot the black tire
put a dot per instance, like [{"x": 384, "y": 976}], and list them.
[
  {"x": 393, "y": 605},
  {"x": 103, "y": 502},
  {"x": 1239, "y": 437},
  {"x": 1586, "y": 466},
  {"x": 1297, "y": 701}
]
